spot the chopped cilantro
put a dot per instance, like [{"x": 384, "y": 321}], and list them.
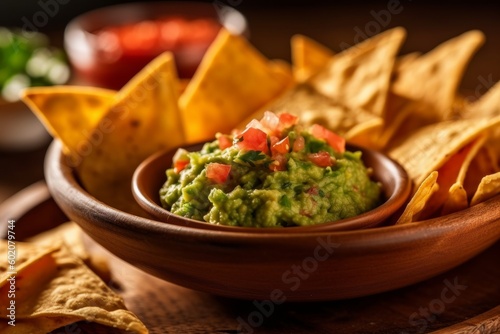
[
  {"x": 285, "y": 202},
  {"x": 251, "y": 157}
]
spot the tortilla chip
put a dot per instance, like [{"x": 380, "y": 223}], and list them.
[
  {"x": 57, "y": 289},
  {"x": 457, "y": 196},
  {"x": 487, "y": 106},
  {"x": 402, "y": 62},
  {"x": 359, "y": 77},
  {"x": 417, "y": 203},
  {"x": 144, "y": 119},
  {"x": 366, "y": 134},
  {"x": 411, "y": 106},
  {"x": 70, "y": 113},
  {"x": 488, "y": 188},
  {"x": 484, "y": 163},
  {"x": 314, "y": 108},
  {"x": 430, "y": 147},
  {"x": 233, "y": 81},
  {"x": 457, "y": 199},
  {"x": 308, "y": 57},
  {"x": 441, "y": 70},
  {"x": 69, "y": 233}
]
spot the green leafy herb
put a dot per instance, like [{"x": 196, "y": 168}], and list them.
[
  {"x": 285, "y": 202},
  {"x": 251, "y": 157}
]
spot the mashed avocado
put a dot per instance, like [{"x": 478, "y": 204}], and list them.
[{"x": 293, "y": 179}]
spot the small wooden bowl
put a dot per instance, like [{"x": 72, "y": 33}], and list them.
[
  {"x": 295, "y": 266},
  {"x": 150, "y": 176}
]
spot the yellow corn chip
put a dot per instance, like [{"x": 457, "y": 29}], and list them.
[
  {"x": 439, "y": 71},
  {"x": 144, "y": 119},
  {"x": 61, "y": 290},
  {"x": 484, "y": 163},
  {"x": 308, "y": 56},
  {"x": 430, "y": 147},
  {"x": 233, "y": 81},
  {"x": 417, "y": 203},
  {"x": 457, "y": 196},
  {"x": 359, "y": 77},
  {"x": 487, "y": 106},
  {"x": 70, "y": 113},
  {"x": 488, "y": 188}
]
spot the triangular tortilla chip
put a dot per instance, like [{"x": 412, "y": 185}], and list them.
[
  {"x": 487, "y": 106},
  {"x": 314, "y": 108},
  {"x": 439, "y": 71},
  {"x": 144, "y": 120},
  {"x": 70, "y": 113},
  {"x": 308, "y": 57},
  {"x": 484, "y": 163},
  {"x": 359, "y": 77},
  {"x": 57, "y": 289},
  {"x": 430, "y": 147},
  {"x": 417, "y": 203},
  {"x": 489, "y": 187},
  {"x": 233, "y": 81}
]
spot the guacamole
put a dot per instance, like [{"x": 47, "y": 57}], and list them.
[{"x": 270, "y": 176}]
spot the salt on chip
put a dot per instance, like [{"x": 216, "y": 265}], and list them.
[
  {"x": 144, "y": 119},
  {"x": 359, "y": 77},
  {"x": 417, "y": 203},
  {"x": 233, "y": 81},
  {"x": 57, "y": 289},
  {"x": 308, "y": 56},
  {"x": 70, "y": 113}
]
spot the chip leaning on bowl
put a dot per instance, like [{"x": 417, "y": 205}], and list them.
[{"x": 275, "y": 173}]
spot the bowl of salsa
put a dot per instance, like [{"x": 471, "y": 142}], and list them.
[{"x": 107, "y": 46}]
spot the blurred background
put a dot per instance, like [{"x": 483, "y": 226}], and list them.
[{"x": 271, "y": 24}]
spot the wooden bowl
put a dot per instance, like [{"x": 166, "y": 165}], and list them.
[
  {"x": 396, "y": 185},
  {"x": 276, "y": 266}
]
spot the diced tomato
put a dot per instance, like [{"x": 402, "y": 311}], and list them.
[
  {"x": 225, "y": 141},
  {"x": 281, "y": 147},
  {"x": 321, "y": 159},
  {"x": 279, "y": 163},
  {"x": 253, "y": 139},
  {"x": 299, "y": 144},
  {"x": 180, "y": 160},
  {"x": 273, "y": 140},
  {"x": 179, "y": 165},
  {"x": 335, "y": 141},
  {"x": 218, "y": 172},
  {"x": 287, "y": 120},
  {"x": 313, "y": 190}
]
